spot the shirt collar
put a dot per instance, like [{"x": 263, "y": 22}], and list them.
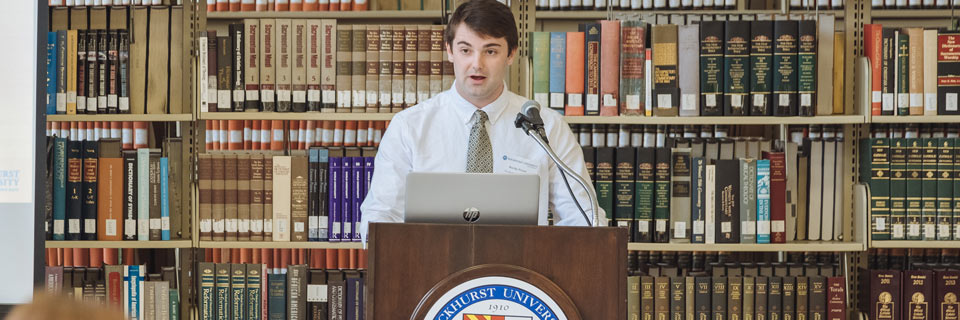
[{"x": 464, "y": 109}]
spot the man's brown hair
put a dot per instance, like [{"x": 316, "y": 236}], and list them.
[{"x": 488, "y": 18}]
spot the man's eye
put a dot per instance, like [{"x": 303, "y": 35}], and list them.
[
  {"x": 491, "y": 52},
  {"x": 464, "y": 51}
]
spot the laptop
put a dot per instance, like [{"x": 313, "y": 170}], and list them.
[{"x": 472, "y": 198}]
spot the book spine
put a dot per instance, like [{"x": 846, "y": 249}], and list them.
[
  {"x": 775, "y": 298},
  {"x": 955, "y": 222},
  {"x": 748, "y": 200},
  {"x": 358, "y": 68},
  {"x": 632, "y": 36},
  {"x": 130, "y": 195},
  {"x": 929, "y": 71},
  {"x": 277, "y": 294},
  {"x": 397, "y": 68},
  {"x": 711, "y": 68},
  {"x": 251, "y": 59},
  {"x": 945, "y": 177},
  {"x": 710, "y": 211},
  {"x": 386, "y": 68},
  {"x": 299, "y": 198},
  {"x": 645, "y": 193},
  {"x": 928, "y": 206},
  {"x": 837, "y": 299},
  {"x": 789, "y": 298},
  {"x": 436, "y": 65},
  {"x": 818, "y": 298},
  {"x": 610, "y": 60},
  {"x": 829, "y": 74},
  {"x": 74, "y": 186},
  {"x": 284, "y": 64},
  {"x": 914, "y": 188},
  {"x": 761, "y": 298},
  {"x": 222, "y": 292},
  {"x": 697, "y": 206},
  {"x": 689, "y": 69},
  {"x": 661, "y": 297},
  {"x": 702, "y": 298},
  {"x": 556, "y": 68},
  {"x": 605, "y": 179},
  {"x": 777, "y": 197},
  {"x": 371, "y": 67},
  {"x": 60, "y": 173},
  {"x": 803, "y": 298},
  {"x": 574, "y": 71},
  {"x": 903, "y": 73},
  {"x": 268, "y": 64},
  {"x": 153, "y": 180},
  {"x": 91, "y": 154},
  {"x": 164, "y": 199},
  {"x": 727, "y": 201},
  {"x": 917, "y": 284},
  {"x": 344, "y": 67},
  {"x": 211, "y": 68},
  {"x": 224, "y": 73},
  {"x": 71, "y": 74},
  {"x": 335, "y": 190},
  {"x": 328, "y": 75},
  {"x": 238, "y": 291},
  {"x": 948, "y": 72},
  {"x": 735, "y": 297},
  {"x": 736, "y": 67},
  {"x": 298, "y": 64},
  {"x": 785, "y": 68},
  {"x": 763, "y": 201},
  {"x": 592, "y": 69},
  {"x": 51, "y": 79},
  {"x": 238, "y": 67},
  {"x": 661, "y": 172},
  {"x": 282, "y": 179},
  {"x": 875, "y": 169},
  {"x": 915, "y": 66},
  {"x": 719, "y": 298},
  {"x": 888, "y": 71},
  {"x": 680, "y": 193},
  {"x": 873, "y": 49},
  {"x": 807, "y": 67},
  {"x": 665, "y": 85},
  {"x": 897, "y": 192}
]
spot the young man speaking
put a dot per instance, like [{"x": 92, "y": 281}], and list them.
[{"x": 469, "y": 127}]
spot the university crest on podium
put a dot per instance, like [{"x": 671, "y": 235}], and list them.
[{"x": 495, "y": 298}]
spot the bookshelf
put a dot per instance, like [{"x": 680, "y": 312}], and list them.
[
  {"x": 121, "y": 117},
  {"x": 171, "y": 244},
  {"x": 372, "y": 15},
  {"x": 914, "y": 244},
  {"x": 280, "y": 245},
  {"x": 294, "y": 116},
  {"x": 798, "y": 246},
  {"x": 914, "y": 119},
  {"x": 911, "y": 14},
  {"x": 840, "y": 119}
]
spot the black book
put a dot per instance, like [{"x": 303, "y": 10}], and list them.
[
  {"x": 719, "y": 294},
  {"x": 661, "y": 208},
  {"x": 775, "y": 298},
  {"x": 591, "y": 65},
  {"x": 624, "y": 185},
  {"x": 48, "y": 189},
  {"x": 123, "y": 72},
  {"x": 761, "y": 61},
  {"x": 317, "y": 305},
  {"x": 807, "y": 67},
  {"x": 661, "y": 297},
  {"x": 237, "y": 67},
  {"x": 645, "y": 190},
  {"x": 313, "y": 193},
  {"x": 323, "y": 176},
  {"x": 702, "y": 298},
  {"x": 789, "y": 291},
  {"x": 711, "y": 68},
  {"x": 113, "y": 71},
  {"x": 130, "y": 195},
  {"x": 728, "y": 201},
  {"x": 760, "y": 299},
  {"x": 817, "y": 302},
  {"x": 74, "y": 189},
  {"x": 336, "y": 293},
  {"x": 103, "y": 64},
  {"x": 224, "y": 74},
  {"x": 888, "y": 72},
  {"x": 81, "y": 67},
  {"x": 93, "y": 71},
  {"x": 91, "y": 155},
  {"x": 785, "y": 69},
  {"x": 605, "y": 164},
  {"x": 736, "y": 68},
  {"x": 590, "y": 161}
]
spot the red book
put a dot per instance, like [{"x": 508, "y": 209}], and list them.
[
  {"x": 96, "y": 258},
  {"x": 81, "y": 257},
  {"x": 344, "y": 257},
  {"x": 326, "y": 133},
  {"x": 224, "y": 134},
  {"x": 234, "y": 5},
  {"x": 350, "y": 134},
  {"x": 296, "y": 5},
  {"x": 235, "y": 135},
  {"x": 311, "y": 134},
  {"x": 248, "y": 5},
  {"x": 111, "y": 256},
  {"x": 211, "y": 5},
  {"x": 574, "y": 73},
  {"x": 214, "y": 142},
  {"x": 362, "y": 128},
  {"x": 609, "y": 60},
  {"x": 317, "y": 258},
  {"x": 872, "y": 49},
  {"x": 128, "y": 256},
  {"x": 67, "y": 258},
  {"x": 247, "y": 134},
  {"x": 778, "y": 196},
  {"x": 282, "y": 5},
  {"x": 346, "y": 5},
  {"x": 265, "y": 134},
  {"x": 332, "y": 258},
  {"x": 254, "y": 135},
  {"x": 222, "y": 5},
  {"x": 276, "y": 141},
  {"x": 115, "y": 282},
  {"x": 311, "y": 5},
  {"x": 338, "y": 133},
  {"x": 362, "y": 264},
  {"x": 294, "y": 136}
]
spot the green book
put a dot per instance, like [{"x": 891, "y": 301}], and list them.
[
  {"x": 807, "y": 67},
  {"x": 761, "y": 60},
  {"x": 645, "y": 189},
  {"x": 875, "y": 172},
  {"x": 623, "y": 184},
  {"x": 903, "y": 74},
  {"x": 914, "y": 188},
  {"x": 736, "y": 68},
  {"x": 944, "y": 188},
  {"x": 604, "y": 183},
  {"x": 928, "y": 209},
  {"x": 174, "y": 304},
  {"x": 898, "y": 188},
  {"x": 711, "y": 68},
  {"x": 223, "y": 291},
  {"x": 207, "y": 293},
  {"x": 661, "y": 214},
  {"x": 785, "y": 68},
  {"x": 238, "y": 290},
  {"x": 540, "y": 42}
]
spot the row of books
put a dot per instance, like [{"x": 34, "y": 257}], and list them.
[
  {"x": 289, "y": 291},
  {"x": 93, "y": 65},
  {"x": 298, "y": 65},
  {"x": 682, "y": 4},
  {"x": 287, "y": 5},
  {"x": 132, "y": 134},
  {"x": 331, "y": 259},
  {"x": 736, "y": 297},
  {"x": 279, "y": 135},
  {"x": 701, "y": 263},
  {"x": 94, "y": 3},
  {"x": 911, "y": 70},
  {"x": 768, "y": 66},
  {"x": 909, "y": 294},
  {"x": 101, "y": 187},
  {"x": 913, "y": 187},
  {"x": 913, "y": 4},
  {"x": 669, "y": 188},
  {"x": 313, "y": 196},
  {"x": 916, "y": 258},
  {"x": 140, "y": 295}
]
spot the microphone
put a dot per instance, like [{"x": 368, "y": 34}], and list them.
[{"x": 529, "y": 119}]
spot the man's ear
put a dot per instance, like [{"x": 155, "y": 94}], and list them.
[
  {"x": 512, "y": 56},
  {"x": 449, "y": 49}
]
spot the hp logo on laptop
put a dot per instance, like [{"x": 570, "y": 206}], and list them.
[{"x": 471, "y": 214}]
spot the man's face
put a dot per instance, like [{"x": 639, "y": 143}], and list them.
[{"x": 480, "y": 64}]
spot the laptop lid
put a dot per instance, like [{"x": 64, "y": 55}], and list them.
[{"x": 462, "y": 198}]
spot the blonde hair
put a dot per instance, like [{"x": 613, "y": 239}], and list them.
[{"x": 61, "y": 307}]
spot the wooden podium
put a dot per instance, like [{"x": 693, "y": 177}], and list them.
[{"x": 412, "y": 265}]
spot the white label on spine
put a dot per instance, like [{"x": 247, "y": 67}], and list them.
[
  {"x": 397, "y": 98},
  {"x": 143, "y": 227},
  {"x": 256, "y": 226},
  {"x": 928, "y": 231},
  {"x": 943, "y": 231},
  {"x": 155, "y": 224},
  {"x": 698, "y": 227},
  {"x": 931, "y": 102},
  {"x": 778, "y": 226},
  {"x": 410, "y": 98},
  {"x": 643, "y": 225},
  {"x": 876, "y": 96},
  {"x": 633, "y": 102},
  {"x": 58, "y": 226},
  {"x": 61, "y": 102},
  {"x": 316, "y": 293},
  {"x": 165, "y": 223},
  {"x": 784, "y": 100},
  {"x": 661, "y": 225},
  {"x": 664, "y": 101},
  {"x": 238, "y": 95},
  {"x": 253, "y": 95},
  {"x": 372, "y": 96},
  {"x": 593, "y": 102},
  {"x": 81, "y": 104},
  {"x": 74, "y": 226},
  {"x": 726, "y": 226},
  {"x": 556, "y": 100},
  {"x": 314, "y": 222},
  {"x": 231, "y": 225},
  {"x": 680, "y": 229},
  {"x": 298, "y": 227},
  {"x": 806, "y": 99},
  {"x": 903, "y": 100},
  {"x": 218, "y": 226},
  {"x": 110, "y": 227},
  {"x": 763, "y": 227},
  {"x": 916, "y": 99},
  {"x": 384, "y": 98},
  {"x": 736, "y": 100},
  {"x": 243, "y": 226},
  {"x": 347, "y": 227},
  {"x": 913, "y": 230},
  {"x": 711, "y": 100},
  {"x": 898, "y": 231},
  {"x": 299, "y": 96},
  {"x": 89, "y": 225},
  {"x": 223, "y": 99},
  {"x": 759, "y": 100},
  {"x": 329, "y": 96},
  {"x": 282, "y": 225},
  {"x": 360, "y": 98},
  {"x": 881, "y": 224},
  {"x": 313, "y": 95},
  {"x": 542, "y": 98},
  {"x": 130, "y": 227},
  {"x": 688, "y": 101},
  {"x": 575, "y": 100},
  {"x": 102, "y": 103},
  {"x": 268, "y": 95},
  {"x": 343, "y": 99},
  {"x": 112, "y": 101},
  {"x": 748, "y": 227},
  {"x": 283, "y": 95},
  {"x": 268, "y": 225},
  {"x": 336, "y": 228},
  {"x": 609, "y": 100},
  {"x": 951, "y": 103},
  {"x": 888, "y": 102}
]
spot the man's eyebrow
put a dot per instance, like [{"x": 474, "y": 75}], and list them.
[{"x": 485, "y": 46}]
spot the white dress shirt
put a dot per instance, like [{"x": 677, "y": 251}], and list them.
[{"x": 432, "y": 137}]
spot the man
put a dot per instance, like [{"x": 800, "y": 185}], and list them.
[{"x": 469, "y": 128}]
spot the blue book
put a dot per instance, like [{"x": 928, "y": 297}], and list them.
[
  {"x": 698, "y": 166},
  {"x": 52, "y": 72},
  {"x": 558, "y": 69},
  {"x": 360, "y": 191},
  {"x": 74, "y": 189},
  {"x": 59, "y": 188},
  {"x": 347, "y": 198},
  {"x": 61, "y": 105},
  {"x": 132, "y": 279},
  {"x": 368, "y": 179},
  {"x": 334, "y": 204},
  {"x": 164, "y": 199},
  {"x": 276, "y": 297},
  {"x": 353, "y": 293},
  {"x": 763, "y": 201}
]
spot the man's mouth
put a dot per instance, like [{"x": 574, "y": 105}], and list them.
[{"x": 477, "y": 78}]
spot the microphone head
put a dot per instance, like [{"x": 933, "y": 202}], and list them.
[{"x": 527, "y": 106}]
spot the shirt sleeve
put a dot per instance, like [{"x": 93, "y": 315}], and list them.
[
  {"x": 564, "y": 208},
  {"x": 385, "y": 199}
]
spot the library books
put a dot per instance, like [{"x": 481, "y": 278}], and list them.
[
  {"x": 319, "y": 65},
  {"x": 89, "y": 3},
  {"x": 280, "y": 135},
  {"x": 912, "y": 74},
  {"x": 909, "y": 285},
  {"x": 107, "y": 184},
  {"x": 740, "y": 189},
  {"x": 746, "y": 68},
  {"x": 680, "y": 5},
  {"x": 97, "y": 68},
  {"x": 317, "y": 5}
]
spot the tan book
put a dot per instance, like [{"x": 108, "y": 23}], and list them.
[
  {"x": 398, "y": 60},
  {"x": 205, "y": 195},
  {"x": 243, "y": 197},
  {"x": 218, "y": 185},
  {"x": 78, "y": 18},
  {"x": 386, "y": 69},
  {"x": 344, "y": 67},
  {"x": 410, "y": 5},
  {"x": 60, "y": 18},
  {"x": 118, "y": 18},
  {"x": 158, "y": 84},
  {"x": 410, "y": 64},
  {"x": 358, "y": 68},
  {"x": 284, "y": 68},
  {"x": 930, "y": 72},
  {"x": 98, "y": 18},
  {"x": 423, "y": 63},
  {"x": 268, "y": 62},
  {"x": 138, "y": 61},
  {"x": 179, "y": 102},
  {"x": 824, "y": 65},
  {"x": 281, "y": 198},
  {"x": 299, "y": 65},
  {"x": 436, "y": 64},
  {"x": 267, "y": 198},
  {"x": 328, "y": 69},
  {"x": 230, "y": 196},
  {"x": 298, "y": 198},
  {"x": 162, "y": 299},
  {"x": 256, "y": 196},
  {"x": 915, "y": 65},
  {"x": 72, "y": 73},
  {"x": 372, "y": 67},
  {"x": 839, "y": 67},
  {"x": 251, "y": 68},
  {"x": 314, "y": 55}
]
